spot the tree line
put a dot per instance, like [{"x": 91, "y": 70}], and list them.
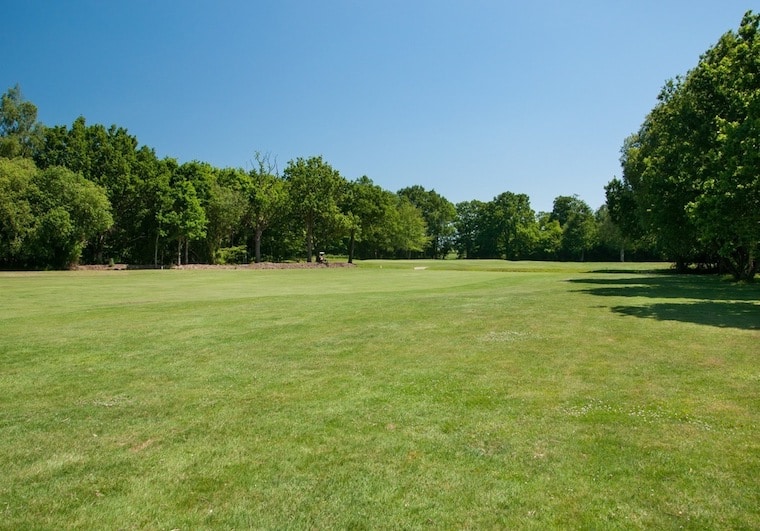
[
  {"x": 90, "y": 194},
  {"x": 690, "y": 193}
]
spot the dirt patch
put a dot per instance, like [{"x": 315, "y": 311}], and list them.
[
  {"x": 263, "y": 265},
  {"x": 266, "y": 265}
]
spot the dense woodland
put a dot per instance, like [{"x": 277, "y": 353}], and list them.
[{"x": 690, "y": 193}]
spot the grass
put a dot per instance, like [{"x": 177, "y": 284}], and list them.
[{"x": 465, "y": 395}]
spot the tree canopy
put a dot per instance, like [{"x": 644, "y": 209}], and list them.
[
  {"x": 690, "y": 174},
  {"x": 48, "y": 216},
  {"x": 20, "y": 132}
]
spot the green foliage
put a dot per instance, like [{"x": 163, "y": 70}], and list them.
[
  {"x": 365, "y": 209},
  {"x": 82, "y": 207},
  {"x": 507, "y": 227},
  {"x": 578, "y": 226},
  {"x": 47, "y": 216},
  {"x": 315, "y": 189},
  {"x": 231, "y": 255},
  {"x": 184, "y": 219},
  {"x": 510, "y": 221},
  {"x": 407, "y": 228},
  {"x": 504, "y": 227},
  {"x": 268, "y": 201},
  {"x": 381, "y": 223},
  {"x": 439, "y": 215},
  {"x": 110, "y": 158},
  {"x": 17, "y": 221},
  {"x": 161, "y": 208},
  {"x": 468, "y": 227},
  {"x": 549, "y": 241},
  {"x": 154, "y": 192},
  {"x": 726, "y": 210},
  {"x": 690, "y": 174},
  {"x": 225, "y": 210},
  {"x": 608, "y": 233},
  {"x": 20, "y": 132}
]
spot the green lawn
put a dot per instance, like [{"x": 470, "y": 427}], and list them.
[{"x": 465, "y": 395}]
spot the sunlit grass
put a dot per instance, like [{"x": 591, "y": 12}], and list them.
[
  {"x": 544, "y": 396},
  {"x": 516, "y": 266}
]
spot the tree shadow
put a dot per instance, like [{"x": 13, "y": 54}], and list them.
[
  {"x": 706, "y": 287},
  {"x": 743, "y": 315},
  {"x": 706, "y": 300}
]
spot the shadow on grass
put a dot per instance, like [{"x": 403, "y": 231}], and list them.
[
  {"x": 705, "y": 287},
  {"x": 744, "y": 315},
  {"x": 706, "y": 300}
]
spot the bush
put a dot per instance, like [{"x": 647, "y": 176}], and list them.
[{"x": 231, "y": 255}]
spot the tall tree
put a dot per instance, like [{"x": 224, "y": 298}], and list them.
[
  {"x": 315, "y": 189},
  {"x": 109, "y": 158},
  {"x": 439, "y": 214},
  {"x": 469, "y": 228},
  {"x": 17, "y": 218},
  {"x": 549, "y": 240},
  {"x": 578, "y": 226},
  {"x": 512, "y": 224},
  {"x": 218, "y": 210},
  {"x": 608, "y": 233},
  {"x": 72, "y": 210},
  {"x": 20, "y": 132},
  {"x": 47, "y": 216},
  {"x": 367, "y": 208},
  {"x": 407, "y": 227},
  {"x": 184, "y": 220},
  {"x": 225, "y": 210},
  {"x": 157, "y": 200},
  {"x": 267, "y": 200},
  {"x": 725, "y": 86},
  {"x": 691, "y": 169}
]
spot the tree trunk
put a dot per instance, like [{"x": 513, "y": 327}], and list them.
[
  {"x": 622, "y": 253},
  {"x": 155, "y": 251},
  {"x": 257, "y": 245},
  {"x": 179, "y": 251},
  {"x": 752, "y": 264},
  {"x": 99, "y": 249},
  {"x": 351, "y": 246},
  {"x": 743, "y": 265},
  {"x": 309, "y": 241},
  {"x": 187, "y": 250}
]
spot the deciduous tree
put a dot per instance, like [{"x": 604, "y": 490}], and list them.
[
  {"x": 17, "y": 221},
  {"x": 184, "y": 219},
  {"x": 692, "y": 168},
  {"x": 367, "y": 207},
  {"x": 512, "y": 223},
  {"x": 439, "y": 215},
  {"x": 20, "y": 132},
  {"x": 47, "y": 216},
  {"x": 268, "y": 200},
  {"x": 469, "y": 228},
  {"x": 407, "y": 227},
  {"x": 315, "y": 189},
  {"x": 225, "y": 210},
  {"x": 578, "y": 226}
]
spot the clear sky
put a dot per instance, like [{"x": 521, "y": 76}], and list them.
[{"x": 471, "y": 98}]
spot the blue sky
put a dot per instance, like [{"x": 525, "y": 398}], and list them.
[{"x": 471, "y": 98}]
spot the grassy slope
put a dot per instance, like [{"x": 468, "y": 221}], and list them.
[{"x": 372, "y": 397}]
